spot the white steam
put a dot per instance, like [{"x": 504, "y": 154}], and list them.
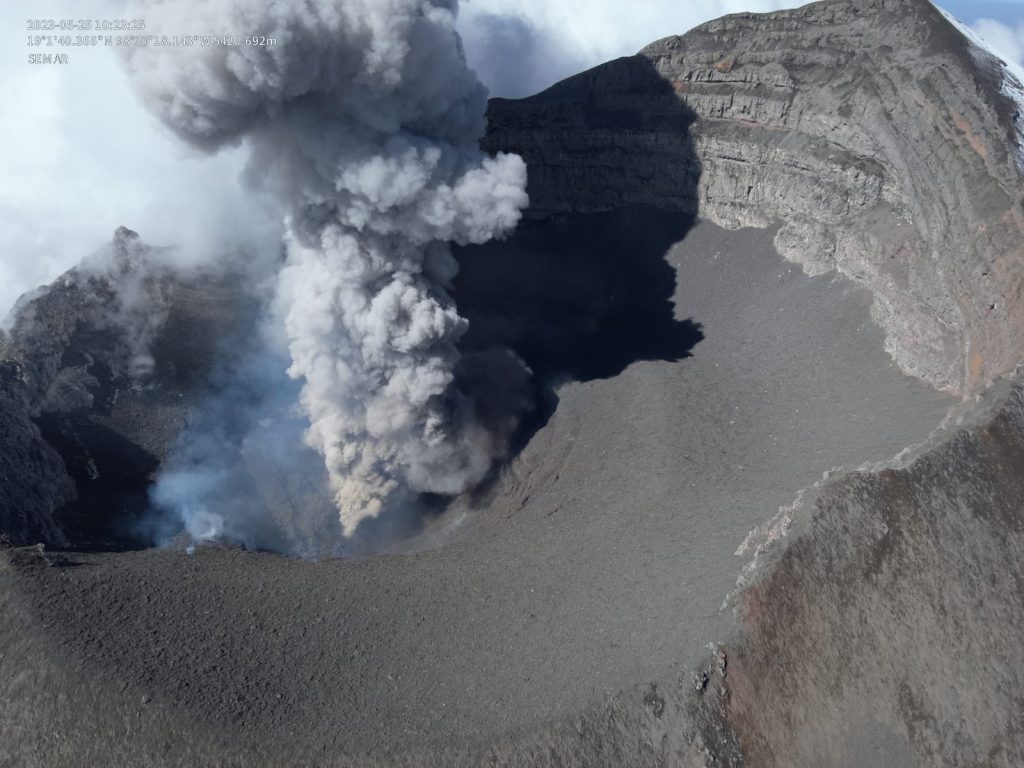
[
  {"x": 520, "y": 47},
  {"x": 364, "y": 121}
]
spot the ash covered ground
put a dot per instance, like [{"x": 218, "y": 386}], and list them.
[
  {"x": 713, "y": 458},
  {"x": 599, "y": 558}
]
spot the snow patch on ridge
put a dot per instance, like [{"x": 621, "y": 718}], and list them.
[
  {"x": 1013, "y": 86},
  {"x": 1013, "y": 78}
]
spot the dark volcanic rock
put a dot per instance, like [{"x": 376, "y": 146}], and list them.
[
  {"x": 871, "y": 130},
  {"x": 896, "y": 614},
  {"x": 885, "y": 630},
  {"x": 33, "y": 479},
  {"x": 95, "y": 373}
]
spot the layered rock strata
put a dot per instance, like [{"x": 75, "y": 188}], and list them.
[{"x": 873, "y": 131}]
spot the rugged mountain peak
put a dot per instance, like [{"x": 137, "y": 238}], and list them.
[
  {"x": 97, "y": 373},
  {"x": 878, "y": 139},
  {"x": 128, "y": 248}
]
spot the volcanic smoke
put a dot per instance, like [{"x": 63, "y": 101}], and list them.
[{"x": 363, "y": 121}]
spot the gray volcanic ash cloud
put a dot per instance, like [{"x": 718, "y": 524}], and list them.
[{"x": 363, "y": 121}]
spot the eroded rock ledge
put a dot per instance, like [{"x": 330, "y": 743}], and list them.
[{"x": 872, "y": 130}]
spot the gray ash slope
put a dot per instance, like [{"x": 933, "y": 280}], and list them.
[
  {"x": 694, "y": 382},
  {"x": 598, "y": 560}
]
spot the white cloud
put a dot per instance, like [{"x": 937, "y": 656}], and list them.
[
  {"x": 1004, "y": 39},
  {"x": 80, "y": 158},
  {"x": 521, "y": 46}
]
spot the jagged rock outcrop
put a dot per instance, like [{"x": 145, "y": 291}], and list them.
[
  {"x": 62, "y": 341},
  {"x": 888, "y": 630},
  {"x": 92, "y": 372},
  {"x": 872, "y": 131},
  {"x": 33, "y": 479}
]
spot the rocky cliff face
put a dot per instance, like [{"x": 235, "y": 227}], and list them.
[
  {"x": 61, "y": 346},
  {"x": 33, "y": 480},
  {"x": 888, "y": 631},
  {"x": 882, "y": 625},
  {"x": 92, "y": 373},
  {"x": 872, "y": 131}
]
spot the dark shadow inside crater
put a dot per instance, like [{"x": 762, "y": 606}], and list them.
[
  {"x": 577, "y": 300},
  {"x": 112, "y": 475},
  {"x": 582, "y": 290}
]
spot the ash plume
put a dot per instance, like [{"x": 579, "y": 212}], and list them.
[{"x": 363, "y": 121}]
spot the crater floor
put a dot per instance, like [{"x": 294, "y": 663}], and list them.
[{"x": 597, "y": 561}]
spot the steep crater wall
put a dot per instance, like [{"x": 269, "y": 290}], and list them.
[
  {"x": 871, "y": 130},
  {"x": 882, "y": 628},
  {"x": 98, "y": 375}
]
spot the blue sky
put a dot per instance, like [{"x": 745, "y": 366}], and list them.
[
  {"x": 1006, "y": 11},
  {"x": 999, "y": 22}
]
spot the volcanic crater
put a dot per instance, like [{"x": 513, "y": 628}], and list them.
[{"x": 768, "y": 293}]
